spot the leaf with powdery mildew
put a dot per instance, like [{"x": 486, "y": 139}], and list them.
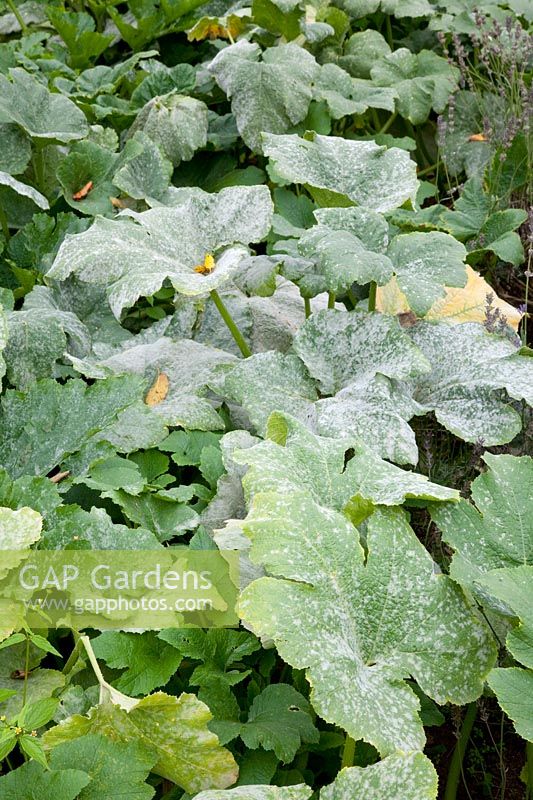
[
  {"x": 45, "y": 116},
  {"x": 469, "y": 368},
  {"x": 424, "y": 263},
  {"x": 24, "y": 190},
  {"x": 294, "y": 458},
  {"x": 495, "y": 530},
  {"x": 357, "y": 635},
  {"x": 133, "y": 257},
  {"x": 299, "y": 792},
  {"x": 18, "y": 531},
  {"x": 173, "y": 728},
  {"x": 378, "y": 405},
  {"x": 409, "y": 776},
  {"x": 403, "y": 776},
  {"x": 338, "y": 348},
  {"x": 341, "y": 259},
  {"x": 53, "y": 420},
  {"x": 176, "y": 123},
  {"x": 183, "y": 368},
  {"x": 268, "y": 382},
  {"x": 268, "y": 95},
  {"x": 370, "y": 175}
]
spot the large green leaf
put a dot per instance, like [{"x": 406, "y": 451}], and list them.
[
  {"x": 176, "y": 123},
  {"x": 16, "y": 148},
  {"x": 338, "y": 348},
  {"x": 73, "y": 526},
  {"x": 18, "y": 531},
  {"x": 279, "y": 719},
  {"x": 469, "y": 367},
  {"x": 300, "y": 792},
  {"x": 35, "y": 343},
  {"x": 52, "y": 420},
  {"x": 174, "y": 729},
  {"x": 341, "y": 259},
  {"x": 357, "y": 636},
  {"x": 409, "y": 776},
  {"x": 89, "y": 162},
  {"x": 43, "y": 115},
  {"x": 513, "y": 585},
  {"x": 422, "y": 81},
  {"x": 133, "y": 257},
  {"x": 513, "y": 686},
  {"x": 514, "y": 689},
  {"x": 269, "y": 95},
  {"x": 189, "y": 366},
  {"x": 271, "y": 381},
  {"x": 362, "y": 51},
  {"x": 376, "y": 177},
  {"x": 495, "y": 530},
  {"x": 114, "y": 767},
  {"x": 424, "y": 263},
  {"x": 31, "y": 780},
  {"x": 147, "y": 175},
  {"x": 294, "y": 458},
  {"x": 23, "y": 190},
  {"x": 378, "y": 405}
]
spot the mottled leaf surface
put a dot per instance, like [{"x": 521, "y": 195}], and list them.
[
  {"x": 43, "y": 115},
  {"x": 132, "y": 257},
  {"x": 330, "y": 613},
  {"x": 376, "y": 177},
  {"x": 271, "y": 94}
]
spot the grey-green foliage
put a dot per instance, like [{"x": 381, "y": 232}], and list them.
[
  {"x": 132, "y": 256},
  {"x": 271, "y": 94},
  {"x": 369, "y": 175},
  {"x": 176, "y": 123},
  {"x": 422, "y": 81},
  {"x": 495, "y": 529},
  {"x": 329, "y": 612},
  {"x": 43, "y": 115}
]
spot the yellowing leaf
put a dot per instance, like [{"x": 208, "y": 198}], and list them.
[
  {"x": 159, "y": 390},
  {"x": 467, "y": 304}
]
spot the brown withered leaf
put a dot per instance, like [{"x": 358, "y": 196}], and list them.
[
  {"x": 83, "y": 192},
  {"x": 158, "y": 391}
]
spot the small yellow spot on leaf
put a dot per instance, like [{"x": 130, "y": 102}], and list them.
[
  {"x": 157, "y": 393},
  {"x": 208, "y": 265},
  {"x": 477, "y": 137}
]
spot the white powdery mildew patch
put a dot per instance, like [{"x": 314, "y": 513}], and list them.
[
  {"x": 132, "y": 259},
  {"x": 268, "y": 95},
  {"x": 258, "y": 793},
  {"x": 359, "y": 629},
  {"x": 176, "y": 123},
  {"x": 373, "y": 176},
  {"x": 469, "y": 368},
  {"x": 189, "y": 366},
  {"x": 409, "y": 776},
  {"x": 294, "y": 458},
  {"x": 338, "y": 348},
  {"x": 269, "y": 381}
]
